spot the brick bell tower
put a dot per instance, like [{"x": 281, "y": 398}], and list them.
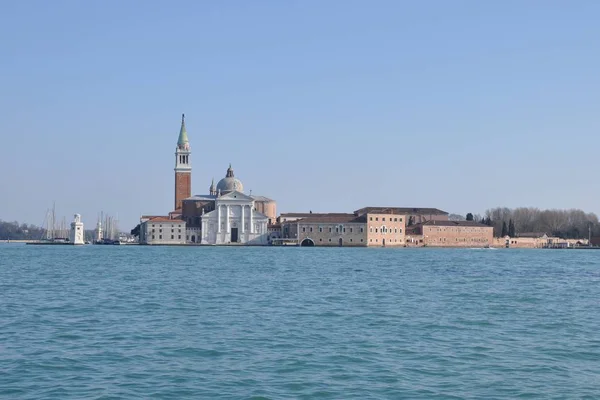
[{"x": 183, "y": 168}]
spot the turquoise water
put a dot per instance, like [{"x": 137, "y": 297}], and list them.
[{"x": 102, "y": 322}]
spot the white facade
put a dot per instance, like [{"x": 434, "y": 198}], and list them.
[
  {"x": 76, "y": 234},
  {"x": 162, "y": 230},
  {"x": 234, "y": 220}
]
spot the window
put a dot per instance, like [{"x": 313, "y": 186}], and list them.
[
  {"x": 329, "y": 230},
  {"x": 361, "y": 240},
  {"x": 375, "y": 230},
  {"x": 350, "y": 239},
  {"x": 337, "y": 230},
  {"x": 152, "y": 230},
  {"x": 351, "y": 230},
  {"x": 361, "y": 230},
  {"x": 383, "y": 219},
  {"x": 152, "y": 237},
  {"x": 370, "y": 219},
  {"x": 179, "y": 237},
  {"x": 320, "y": 229},
  {"x": 160, "y": 230},
  {"x": 376, "y": 218},
  {"x": 330, "y": 240},
  {"x": 180, "y": 231},
  {"x": 371, "y": 230},
  {"x": 172, "y": 237},
  {"x": 303, "y": 229},
  {"x": 311, "y": 228},
  {"x": 395, "y": 219},
  {"x": 153, "y": 225},
  {"x": 160, "y": 236},
  {"x": 400, "y": 219},
  {"x": 395, "y": 230},
  {"x": 344, "y": 230},
  {"x": 320, "y": 240}
]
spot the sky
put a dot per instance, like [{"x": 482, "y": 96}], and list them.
[{"x": 327, "y": 106}]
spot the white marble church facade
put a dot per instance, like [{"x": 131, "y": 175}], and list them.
[{"x": 234, "y": 220}]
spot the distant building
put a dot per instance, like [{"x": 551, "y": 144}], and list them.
[
  {"x": 183, "y": 168},
  {"x": 450, "y": 234},
  {"x": 234, "y": 220},
  {"x": 414, "y": 215},
  {"x": 225, "y": 215},
  {"x": 162, "y": 230},
  {"x": 362, "y": 228}
]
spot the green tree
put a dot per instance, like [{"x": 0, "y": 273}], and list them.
[
  {"x": 504, "y": 229},
  {"x": 511, "y": 228},
  {"x": 136, "y": 231},
  {"x": 469, "y": 217}
]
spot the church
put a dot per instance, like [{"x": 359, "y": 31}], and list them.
[{"x": 226, "y": 215}]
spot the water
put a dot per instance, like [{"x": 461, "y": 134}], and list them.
[{"x": 104, "y": 322}]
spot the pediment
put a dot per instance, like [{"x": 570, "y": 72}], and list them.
[{"x": 235, "y": 196}]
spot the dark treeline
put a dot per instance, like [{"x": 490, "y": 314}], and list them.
[
  {"x": 16, "y": 231},
  {"x": 567, "y": 224}
]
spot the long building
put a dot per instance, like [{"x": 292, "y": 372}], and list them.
[
  {"x": 366, "y": 227},
  {"x": 450, "y": 234}
]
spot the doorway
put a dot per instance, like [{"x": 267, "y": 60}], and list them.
[
  {"x": 340, "y": 242},
  {"x": 234, "y": 235}
]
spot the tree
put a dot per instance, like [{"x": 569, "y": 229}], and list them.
[
  {"x": 456, "y": 217},
  {"x": 411, "y": 220},
  {"x": 511, "y": 228},
  {"x": 504, "y": 229},
  {"x": 469, "y": 217},
  {"x": 136, "y": 231}
]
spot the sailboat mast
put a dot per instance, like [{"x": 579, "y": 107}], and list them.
[{"x": 52, "y": 228}]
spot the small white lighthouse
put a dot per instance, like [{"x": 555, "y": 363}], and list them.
[{"x": 76, "y": 236}]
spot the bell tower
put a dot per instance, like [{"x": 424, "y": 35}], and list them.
[{"x": 183, "y": 168}]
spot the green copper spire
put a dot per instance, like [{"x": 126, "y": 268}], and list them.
[{"x": 183, "y": 138}]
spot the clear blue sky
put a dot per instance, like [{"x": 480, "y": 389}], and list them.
[{"x": 321, "y": 105}]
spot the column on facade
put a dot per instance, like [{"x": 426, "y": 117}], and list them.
[
  {"x": 203, "y": 232},
  {"x": 227, "y": 216},
  {"x": 251, "y": 218},
  {"x": 243, "y": 218},
  {"x": 219, "y": 219}
]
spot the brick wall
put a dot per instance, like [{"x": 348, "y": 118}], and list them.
[
  {"x": 386, "y": 229},
  {"x": 458, "y": 236},
  {"x": 183, "y": 187}
]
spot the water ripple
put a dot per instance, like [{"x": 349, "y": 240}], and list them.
[{"x": 272, "y": 323}]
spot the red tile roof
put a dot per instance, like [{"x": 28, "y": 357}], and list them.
[
  {"x": 165, "y": 219},
  {"x": 400, "y": 210}
]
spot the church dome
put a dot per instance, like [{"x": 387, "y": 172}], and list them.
[{"x": 229, "y": 183}]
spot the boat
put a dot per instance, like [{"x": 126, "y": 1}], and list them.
[{"x": 52, "y": 235}]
